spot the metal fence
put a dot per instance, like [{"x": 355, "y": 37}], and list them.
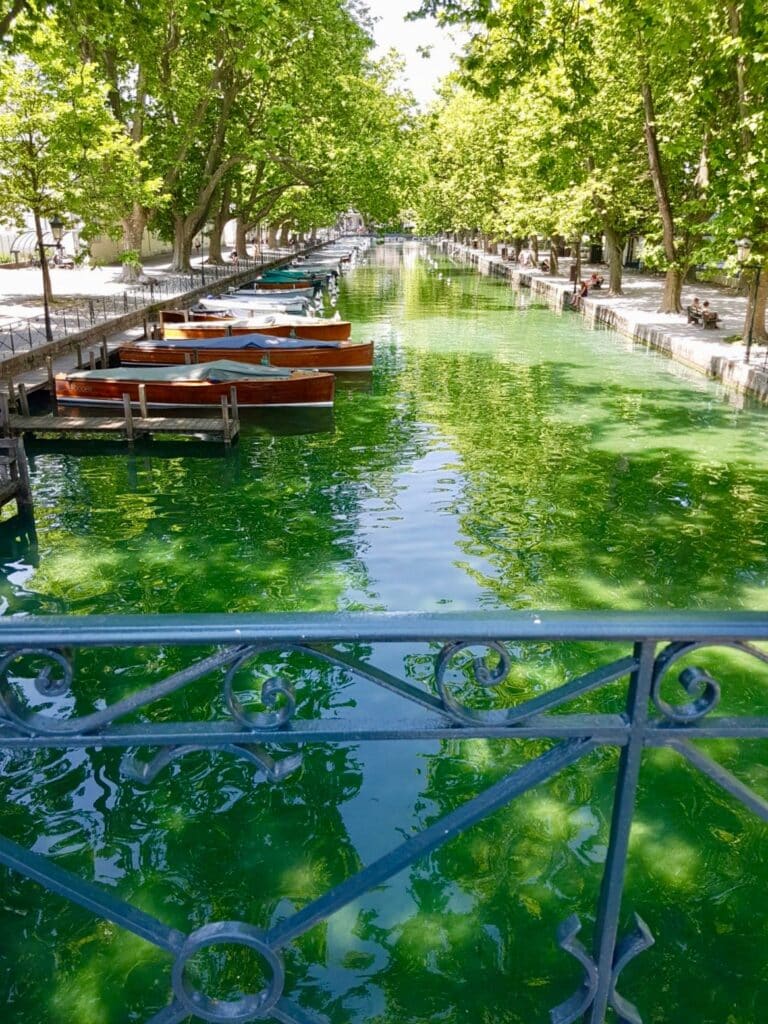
[
  {"x": 667, "y": 702},
  {"x": 23, "y": 335}
]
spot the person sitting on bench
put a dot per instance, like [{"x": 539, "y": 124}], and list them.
[
  {"x": 694, "y": 311},
  {"x": 596, "y": 281},
  {"x": 709, "y": 318}
]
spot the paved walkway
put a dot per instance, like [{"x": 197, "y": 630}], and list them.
[
  {"x": 21, "y": 290},
  {"x": 636, "y": 314}
]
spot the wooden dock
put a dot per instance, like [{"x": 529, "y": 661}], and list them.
[{"x": 226, "y": 427}]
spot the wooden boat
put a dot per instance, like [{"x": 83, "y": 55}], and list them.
[
  {"x": 331, "y": 356},
  {"x": 273, "y": 294},
  {"x": 252, "y": 305},
  {"x": 284, "y": 284},
  {"x": 214, "y": 326},
  {"x": 197, "y": 386}
]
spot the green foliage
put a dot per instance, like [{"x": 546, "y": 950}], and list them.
[{"x": 61, "y": 149}]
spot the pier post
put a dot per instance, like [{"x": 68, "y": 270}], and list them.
[
  {"x": 128, "y": 416},
  {"x": 143, "y": 401},
  {"x": 11, "y": 395},
  {"x": 24, "y": 488},
  {"x": 92, "y": 359},
  {"x": 23, "y": 399},
  {"x": 225, "y": 420},
  {"x": 79, "y": 351},
  {"x": 5, "y": 414},
  {"x": 104, "y": 353},
  {"x": 233, "y": 403},
  {"x": 51, "y": 381},
  {"x": 187, "y": 359}
]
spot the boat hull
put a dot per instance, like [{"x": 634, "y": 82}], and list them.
[
  {"x": 347, "y": 358},
  {"x": 301, "y": 389},
  {"x": 338, "y": 330},
  {"x": 285, "y": 285}
]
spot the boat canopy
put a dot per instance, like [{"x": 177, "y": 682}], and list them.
[
  {"x": 237, "y": 341},
  {"x": 217, "y": 372}
]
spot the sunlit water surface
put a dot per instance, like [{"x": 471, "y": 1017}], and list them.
[{"x": 500, "y": 456}]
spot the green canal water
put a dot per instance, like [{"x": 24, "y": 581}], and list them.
[{"x": 500, "y": 456}]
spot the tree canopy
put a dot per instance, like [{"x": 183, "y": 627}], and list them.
[
  {"x": 607, "y": 116},
  {"x": 221, "y": 109}
]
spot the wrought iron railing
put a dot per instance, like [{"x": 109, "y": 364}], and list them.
[
  {"x": 24, "y": 335},
  {"x": 669, "y": 699}
]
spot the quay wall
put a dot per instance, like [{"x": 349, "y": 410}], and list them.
[{"x": 697, "y": 353}]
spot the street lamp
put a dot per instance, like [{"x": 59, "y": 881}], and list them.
[
  {"x": 743, "y": 252},
  {"x": 57, "y": 230},
  {"x": 200, "y": 248}
]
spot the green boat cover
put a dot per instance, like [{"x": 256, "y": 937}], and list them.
[{"x": 218, "y": 371}]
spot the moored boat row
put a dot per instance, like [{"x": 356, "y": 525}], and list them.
[{"x": 261, "y": 341}]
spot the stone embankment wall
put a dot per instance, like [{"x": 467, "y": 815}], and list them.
[{"x": 701, "y": 352}]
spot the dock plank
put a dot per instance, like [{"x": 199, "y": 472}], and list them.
[{"x": 117, "y": 425}]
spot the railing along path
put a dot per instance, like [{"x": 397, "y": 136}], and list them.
[{"x": 664, "y": 705}]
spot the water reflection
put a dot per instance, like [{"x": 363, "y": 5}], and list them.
[{"x": 499, "y": 456}]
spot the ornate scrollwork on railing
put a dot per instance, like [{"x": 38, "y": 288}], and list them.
[
  {"x": 15, "y": 710},
  {"x": 703, "y": 688},
  {"x": 486, "y": 677},
  {"x": 627, "y": 949},
  {"x": 631, "y": 945},
  {"x": 255, "y": 1006},
  {"x": 272, "y": 690},
  {"x": 19, "y": 714},
  {"x": 576, "y": 1005}
]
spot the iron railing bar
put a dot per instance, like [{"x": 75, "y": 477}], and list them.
[
  {"x": 749, "y": 727},
  {"x": 382, "y": 678},
  {"x": 723, "y": 777},
  {"x": 608, "y": 729},
  {"x": 431, "y": 838},
  {"x": 612, "y": 887},
  {"x": 375, "y": 627},
  {"x": 87, "y": 895}
]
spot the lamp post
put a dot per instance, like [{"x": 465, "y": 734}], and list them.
[
  {"x": 743, "y": 252},
  {"x": 57, "y": 229}
]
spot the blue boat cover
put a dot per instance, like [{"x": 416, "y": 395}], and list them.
[{"x": 236, "y": 341}]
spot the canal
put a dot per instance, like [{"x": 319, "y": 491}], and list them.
[{"x": 500, "y": 456}]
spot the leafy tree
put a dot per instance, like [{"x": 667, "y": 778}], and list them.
[{"x": 61, "y": 150}]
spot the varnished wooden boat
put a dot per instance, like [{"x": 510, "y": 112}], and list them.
[
  {"x": 338, "y": 356},
  {"x": 277, "y": 326},
  {"x": 284, "y": 283},
  {"x": 199, "y": 386}
]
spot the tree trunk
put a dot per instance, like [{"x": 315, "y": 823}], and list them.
[
  {"x": 673, "y": 284},
  {"x": 182, "y": 243},
  {"x": 241, "y": 232},
  {"x": 47, "y": 293},
  {"x": 754, "y": 320},
  {"x": 577, "y": 262},
  {"x": 313, "y": 237},
  {"x": 535, "y": 248},
  {"x": 673, "y": 287},
  {"x": 554, "y": 267},
  {"x": 214, "y": 241},
  {"x": 133, "y": 238},
  {"x": 614, "y": 244},
  {"x": 285, "y": 230},
  {"x": 272, "y": 236}
]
